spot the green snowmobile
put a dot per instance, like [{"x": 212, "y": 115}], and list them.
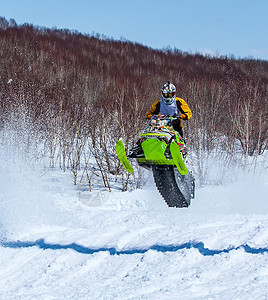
[{"x": 163, "y": 150}]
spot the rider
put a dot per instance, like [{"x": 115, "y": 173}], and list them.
[{"x": 170, "y": 105}]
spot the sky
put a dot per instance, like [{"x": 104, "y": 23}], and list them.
[{"x": 214, "y": 27}]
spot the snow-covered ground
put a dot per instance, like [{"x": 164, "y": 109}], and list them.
[{"x": 58, "y": 243}]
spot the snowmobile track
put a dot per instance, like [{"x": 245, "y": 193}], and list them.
[{"x": 165, "y": 181}]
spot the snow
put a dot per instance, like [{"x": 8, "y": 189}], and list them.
[{"x": 57, "y": 242}]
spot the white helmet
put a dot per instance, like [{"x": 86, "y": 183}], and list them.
[{"x": 168, "y": 93}]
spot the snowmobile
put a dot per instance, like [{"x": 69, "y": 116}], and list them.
[{"x": 162, "y": 149}]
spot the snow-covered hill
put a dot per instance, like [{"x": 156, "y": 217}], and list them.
[{"x": 59, "y": 243}]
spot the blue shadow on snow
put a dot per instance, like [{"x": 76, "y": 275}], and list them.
[{"x": 160, "y": 248}]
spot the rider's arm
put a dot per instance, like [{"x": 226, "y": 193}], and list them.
[
  {"x": 154, "y": 110},
  {"x": 184, "y": 109}
]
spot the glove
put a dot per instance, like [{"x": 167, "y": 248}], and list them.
[{"x": 183, "y": 116}]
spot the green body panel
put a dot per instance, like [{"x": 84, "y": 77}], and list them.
[
  {"x": 154, "y": 152},
  {"x": 121, "y": 153}
]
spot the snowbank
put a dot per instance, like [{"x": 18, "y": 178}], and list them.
[{"x": 58, "y": 242}]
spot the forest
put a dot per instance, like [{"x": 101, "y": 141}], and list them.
[{"x": 71, "y": 96}]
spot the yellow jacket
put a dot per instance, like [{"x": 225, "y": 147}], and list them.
[{"x": 181, "y": 105}]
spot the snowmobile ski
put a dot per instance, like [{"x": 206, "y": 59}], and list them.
[{"x": 121, "y": 153}]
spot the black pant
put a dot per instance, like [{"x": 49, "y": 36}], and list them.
[{"x": 178, "y": 128}]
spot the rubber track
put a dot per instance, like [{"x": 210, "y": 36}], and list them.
[{"x": 166, "y": 184}]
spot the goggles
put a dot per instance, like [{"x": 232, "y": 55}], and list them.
[{"x": 168, "y": 95}]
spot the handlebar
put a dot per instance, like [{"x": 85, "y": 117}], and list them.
[{"x": 162, "y": 120}]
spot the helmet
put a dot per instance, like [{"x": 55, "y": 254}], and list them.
[{"x": 168, "y": 93}]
